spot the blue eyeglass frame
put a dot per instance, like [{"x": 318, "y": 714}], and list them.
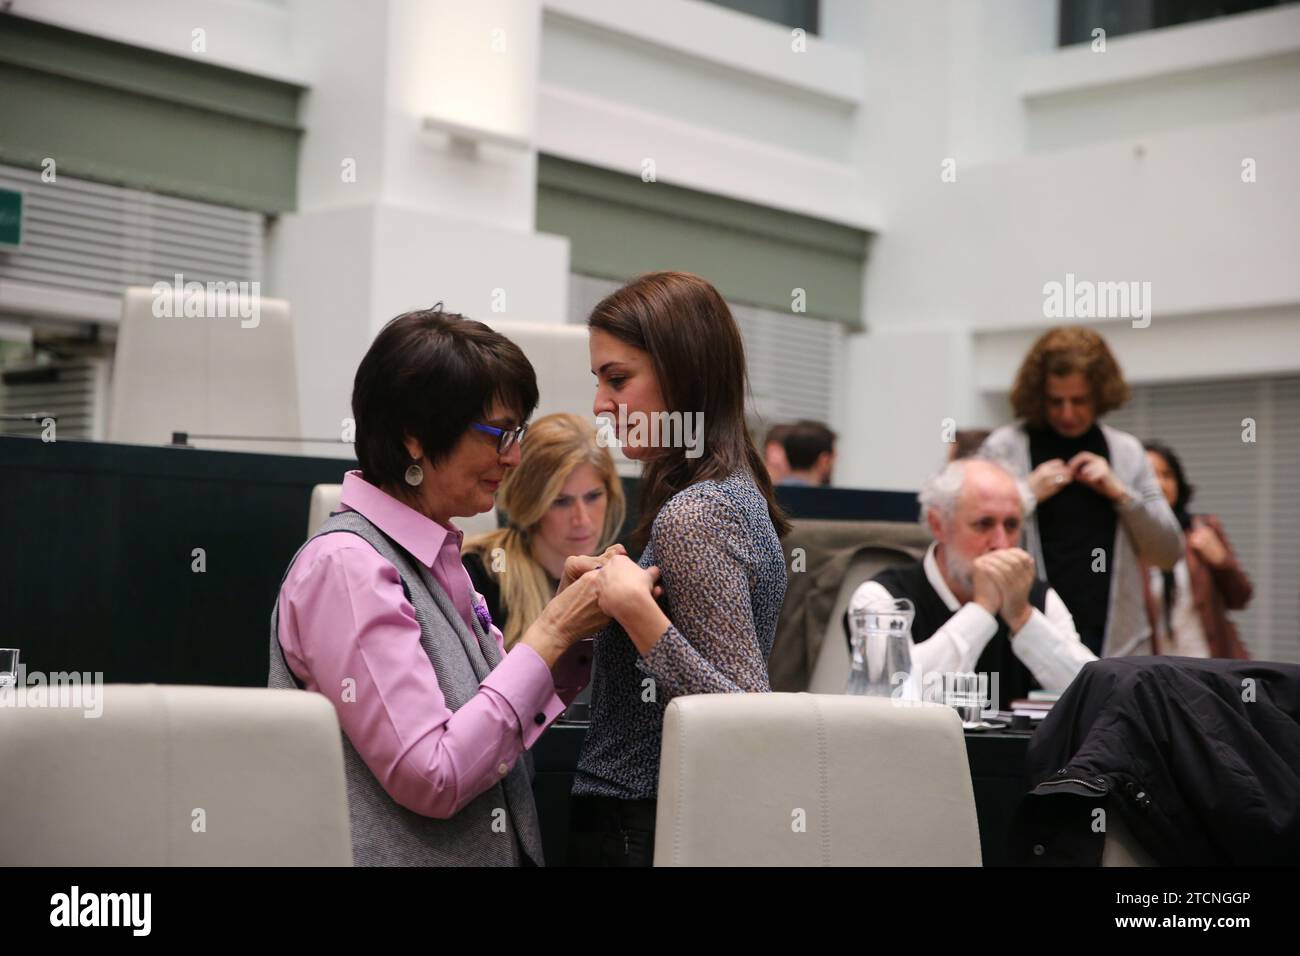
[{"x": 505, "y": 436}]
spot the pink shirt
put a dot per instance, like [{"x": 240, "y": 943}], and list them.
[{"x": 348, "y": 632}]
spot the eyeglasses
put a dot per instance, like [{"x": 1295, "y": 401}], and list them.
[{"x": 505, "y": 436}]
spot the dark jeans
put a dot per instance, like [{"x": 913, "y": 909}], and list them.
[{"x": 604, "y": 831}]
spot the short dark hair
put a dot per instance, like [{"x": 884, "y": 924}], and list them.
[
  {"x": 430, "y": 374},
  {"x": 777, "y": 434},
  {"x": 805, "y": 442}
]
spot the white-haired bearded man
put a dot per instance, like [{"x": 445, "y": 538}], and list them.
[{"x": 979, "y": 604}]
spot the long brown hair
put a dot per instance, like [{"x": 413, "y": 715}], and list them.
[
  {"x": 698, "y": 357},
  {"x": 555, "y": 445}
]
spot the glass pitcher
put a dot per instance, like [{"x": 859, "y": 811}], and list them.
[{"x": 881, "y": 636}]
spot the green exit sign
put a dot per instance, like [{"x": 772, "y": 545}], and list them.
[{"x": 11, "y": 219}]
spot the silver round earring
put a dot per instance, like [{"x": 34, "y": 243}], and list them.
[{"x": 414, "y": 475}]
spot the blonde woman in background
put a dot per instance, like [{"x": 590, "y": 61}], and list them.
[{"x": 563, "y": 499}]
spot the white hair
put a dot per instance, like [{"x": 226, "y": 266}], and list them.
[{"x": 942, "y": 489}]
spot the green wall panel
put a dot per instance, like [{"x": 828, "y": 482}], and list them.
[
  {"x": 619, "y": 226},
  {"x": 113, "y": 113}
]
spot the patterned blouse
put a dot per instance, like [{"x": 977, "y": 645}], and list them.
[{"x": 724, "y": 576}]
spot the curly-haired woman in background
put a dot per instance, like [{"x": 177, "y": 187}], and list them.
[{"x": 1094, "y": 512}]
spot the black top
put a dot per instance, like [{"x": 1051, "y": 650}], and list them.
[
  {"x": 1072, "y": 525},
  {"x": 486, "y": 584},
  {"x": 1014, "y": 680}
]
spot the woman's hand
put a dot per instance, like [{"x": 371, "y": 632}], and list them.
[
  {"x": 1049, "y": 478},
  {"x": 1094, "y": 471},
  {"x": 575, "y": 566},
  {"x": 1208, "y": 545},
  {"x": 624, "y": 587},
  {"x": 569, "y": 617},
  {"x": 626, "y": 592}
]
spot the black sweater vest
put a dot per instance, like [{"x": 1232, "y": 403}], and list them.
[{"x": 1014, "y": 679}]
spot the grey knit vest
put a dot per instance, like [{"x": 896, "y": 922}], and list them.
[{"x": 384, "y": 833}]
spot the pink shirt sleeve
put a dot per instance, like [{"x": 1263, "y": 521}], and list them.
[{"x": 348, "y": 632}]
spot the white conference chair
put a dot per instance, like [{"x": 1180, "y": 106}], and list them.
[
  {"x": 813, "y": 780},
  {"x": 1121, "y": 847},
  {"x": 211, "y": 376},
  {"x": 174, "y": 776}
]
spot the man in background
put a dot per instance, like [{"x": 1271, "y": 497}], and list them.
[
  {"x": 979, "y": 606},
  {"x": 810, "y": 451},
  {"x": 778, "y": 466}
]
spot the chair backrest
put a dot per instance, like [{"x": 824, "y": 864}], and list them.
[
  {"x": 562, "y": 360},
  {"x": 325, "y": 501},
  {"x": 173, "y": 776},
  {"x": 810, "y": 652},
  {"x": 213, "y": 375},
  {"x": 1121, "y": 847},
  {"x": 813, "y": 780}
]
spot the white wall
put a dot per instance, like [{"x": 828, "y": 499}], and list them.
[
  {"x": 954, "y": 285},
  {"x": 722, "y": 102},
  {"x": 249, "y": 35},
  {"x": 1122, "y": 165},
  {"x": 430, "y": 215}
]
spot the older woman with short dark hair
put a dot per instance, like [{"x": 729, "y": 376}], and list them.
[{"x": 377, "y": 613}]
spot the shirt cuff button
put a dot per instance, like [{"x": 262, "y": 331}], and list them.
[{"x": 539, "y": 719}]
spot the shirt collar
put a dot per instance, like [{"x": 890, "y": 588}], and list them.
[
  {"x": 422, "y": 537},
  {"x": 935, "y": 577}
]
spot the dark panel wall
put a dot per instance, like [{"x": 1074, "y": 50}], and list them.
[{"x": 97, "y": 542}]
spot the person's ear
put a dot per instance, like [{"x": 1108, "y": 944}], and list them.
[
  {"x": 413, "y": 448},
  {"x": 936, "y": 525}
]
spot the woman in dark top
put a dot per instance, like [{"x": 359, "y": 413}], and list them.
[
  {"x": 1189, "y": 604},
  {"x": 1093, "y": 511},
  {"x": 670, "y": 369},
  {"x": 563, "y": 499}
]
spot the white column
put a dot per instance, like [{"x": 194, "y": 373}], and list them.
[{"x": 417, "y": 180}]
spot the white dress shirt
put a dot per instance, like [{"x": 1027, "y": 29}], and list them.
[{"x": 1047, "y": 644}]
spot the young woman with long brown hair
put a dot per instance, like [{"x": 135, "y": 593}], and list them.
[{"x": 666, "y": 349}]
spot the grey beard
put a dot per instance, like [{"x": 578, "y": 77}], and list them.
[{"x": 960, "y": 570}]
